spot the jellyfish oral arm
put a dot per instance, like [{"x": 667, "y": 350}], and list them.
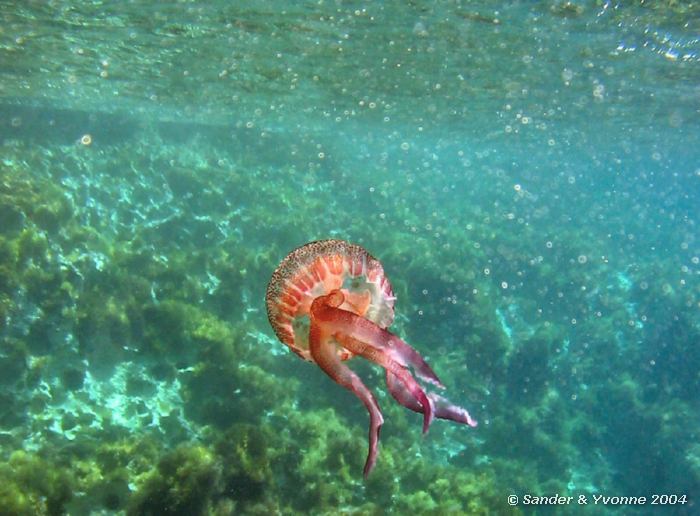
[
  {"x": 408, "y": 392},
  {"x": 324, "y": 353},
  {"x": 371, "y": 337},
  {"x": 331, "y": 326}
]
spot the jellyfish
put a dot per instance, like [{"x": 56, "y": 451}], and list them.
[{"x": 329, "y": 301}]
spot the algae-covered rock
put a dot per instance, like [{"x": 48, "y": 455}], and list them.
[
  {"x": 32, "y": 247},
  {"x": 529, "y": 366},
  {"x": 104, "y": 332},
  {"x": 73, "y": 378},
  {"x": 171, "y": 328},
  {"x": 417, "y": 502},
  {"x": 24, "y": 196},
  {"x": 243, "y": 451},
  {"x": 32, "y": 485},
  {"x": 182, "y": 484},
  {"x": 323, "y": 456},
  {"x": 226, "y": 386},
  {"x": 13, "y": 362}
]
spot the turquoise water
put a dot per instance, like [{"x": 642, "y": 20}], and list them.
[{"x": 528, "y": 173}]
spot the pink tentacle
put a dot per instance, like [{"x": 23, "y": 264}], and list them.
[
  {"x": 401, "y": 394},
  {"x": 405, "y": 355},
  {"x": 324, "y": 353},
  {"x": 332, "y": 326},
  {"x": 410, "y": 387},
  {"x": 391, "y": 345},
  {"x": 442, "y": 407}
]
